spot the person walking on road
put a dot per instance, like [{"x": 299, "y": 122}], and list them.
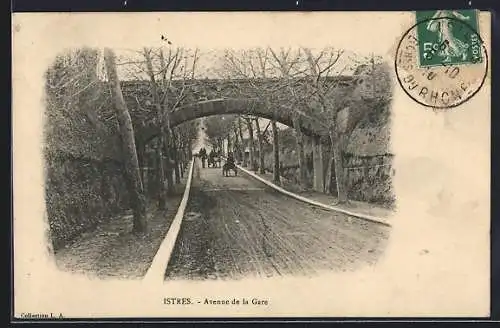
[
  {"x": 203, "y": 155},
  {"x": 230, "y": 158}
]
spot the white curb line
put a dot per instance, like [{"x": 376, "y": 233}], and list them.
[
  {"x": 312, "y": 202},
  {"x": 156, "y": 271}
]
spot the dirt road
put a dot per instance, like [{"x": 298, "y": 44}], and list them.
[{"x": 236, "y": 227}]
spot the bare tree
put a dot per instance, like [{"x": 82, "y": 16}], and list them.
[
  {"x": 260, "y": 142},
  {"x": 288, "y": 64},
  {"x": 237, "y": 144},
  {"x": 276, "y": 152},
  {"x": 278, "y": 79},
  {"x": 176, "y": 71},
  {"x": 343, "y": 106},
  {"x": 218, "y": 128},
  {"x": 251, "y": 142},
  {"x": 173, "y": 65},
  {"x": 128, "y": 138},
  {"x": 187, "y": 134},
  {"x": 321, "y": 66},
  {"x": 240, "y": 133},
  {"x": 161, "y": 137},
  {"x": 254, "y": 67}
]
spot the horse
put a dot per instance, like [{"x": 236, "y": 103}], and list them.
[{"x": 229, "y": 166}]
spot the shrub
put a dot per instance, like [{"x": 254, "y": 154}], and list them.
[{"x": 83, "y": 182}]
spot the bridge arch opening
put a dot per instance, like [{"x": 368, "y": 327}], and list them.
[{"x": 237, "y": 106}]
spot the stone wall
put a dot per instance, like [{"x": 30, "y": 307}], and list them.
[{"x": 368, "y": 166}]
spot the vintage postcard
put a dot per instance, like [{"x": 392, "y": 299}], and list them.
[{"x": 251, "y": 164}]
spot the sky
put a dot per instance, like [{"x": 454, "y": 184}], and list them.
[
  {"x": 213, "y": 33},
  {"x": 208, "y": 64},
  {"x": 130, "y": 62}
]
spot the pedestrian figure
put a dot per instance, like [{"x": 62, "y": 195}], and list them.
[
  {"x": 230, "y": 157},
  {"x": 211, "y": 157},
  {"x": 203, "y": 155}
]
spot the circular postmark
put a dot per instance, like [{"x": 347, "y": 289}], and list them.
[{"x": 441, "y": 62}]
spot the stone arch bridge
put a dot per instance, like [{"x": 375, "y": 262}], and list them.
[{"x": 217, "y": 97}]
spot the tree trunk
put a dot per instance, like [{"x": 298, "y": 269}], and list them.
[
  {"x": 262, "y": 168},
  {"x": 329, "y": 173},
  {"x": 229, "y": 143},
  {"x": 236, "y": 146},
  {"x": 276, "y": 151},
  {"x": 253, "y": 164},
  {"x": 182, "y": 158},
  {"x": 220, "y": 145},
  {"x": 142, "y": 164},
  {"x": 240, "y": 131},
  {"x": 151, "y": 174},
  {"x": 163, "y": 138},
  {"x": 161, "y": 174},
  {"x": 240, "y": 147},
  {"x": 187, "y": 150},
  {"x": 318, "y": 170},
  {"x": 170, "y": 177},
  {"x": 176, "y": 158},
  {"x": 169, "y": 163},
  {"x": 338, "y": 148},
  {"x": 300, "y": 150},
  {"x": 130, "y": 153}
]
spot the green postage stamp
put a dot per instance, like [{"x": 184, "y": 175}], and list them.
[
  {"x": 448, "y": 37},
  {"x": 441, "y": 61}
]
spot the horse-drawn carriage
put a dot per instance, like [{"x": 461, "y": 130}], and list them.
[
  {"x": 214, "y": 160},
  {"x": 227, "y": 167}
]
